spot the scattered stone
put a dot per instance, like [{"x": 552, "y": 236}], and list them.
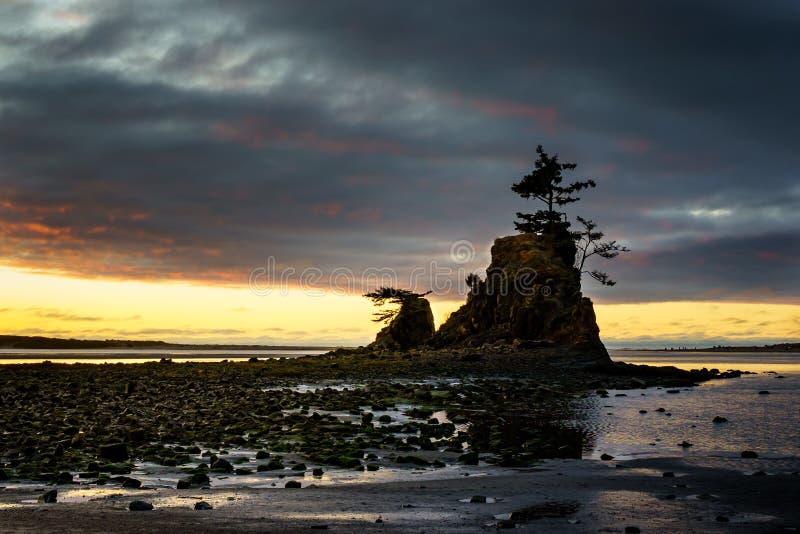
[
  {"x": 642, "y": 411},
  {"x": 131, "y": 483},
  {"x": 140, "y": 506},
  {"x": 293, "y": 484},
  {"x": 272, "y": 465},
  {"x": 48, "y": 496},
  {"x": 749, "y": 454},
  {"x": 662, "y": 410},
  {"x": 606, "y": 457},
  {"x": 64, "y": 478},
  {"x": 469, "y": 458},
  {"x": 115, "y": 452},
  {"x": 221, "y": 464},
  {"x": 547, "y": 509},
  {"x": 763, "y": 392},
  {"x": 685, "y": 444},
  {"x": 719, "y": 419},
  {"x": 202, "y": 505}
]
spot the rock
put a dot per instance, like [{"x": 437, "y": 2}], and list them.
[
  {"x": 506, "y": 523},
  {"x": 685, "y": 444},
  {"x": 262, "y": 455},
  {"x": 221, "y": 464},
  {"x": 632, "y": 530},
  {"x": 48, "y": 496},
  {"x": 272, "y": 465},
  {"x": 469, "y": 458},
  {"x": 722, "y": 519},
  {"x": 642, "y": 411},
  {"x": 763, "y": 392},
  {"x": 661, "y": 410},
  {"x": 199, "y": 479},
  {"x": 749, "y": 454},
  {"x": 759, "y": 474},
  {"x": 411, "y": 327},
  {"x": 64, "y": 478},
  {"x": 317, "y": 472},
  {"x": 478, "y": 499},
  {"x": 719, "y": 419},
  {"x": 132, "y": 483},
  {"x": 531, "y": 292},
  {"x": 115, "y": 452},
  {"x": 202, "y": 505},
  {"x": 673, "y": 391},
  {"x": 140, "y": 506},
  {"x": 184, "y": 484},
  {"x": 253, "y": 359},
  {"x": 3, "y": 475},
  {"x": 410, "y": 459},
  {"x": 372, "y": 467},
  {"x": 606, "y": 457},
  {"x": 293, "y": 484},
  {"x": 668, "y": 474},
  {"x": 299, "y": 467}
]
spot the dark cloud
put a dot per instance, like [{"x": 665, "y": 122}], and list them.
[{"x": 192, "y": 140}]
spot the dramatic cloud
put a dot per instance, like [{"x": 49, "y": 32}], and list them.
[{"x": 192, "y": 140}]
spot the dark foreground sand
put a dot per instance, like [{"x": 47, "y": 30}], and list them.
[{"x": 611, "y": 498}]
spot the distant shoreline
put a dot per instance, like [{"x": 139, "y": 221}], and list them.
[
  {"x": 9, "y": 342},
  {"x": 780, "y": 347}
]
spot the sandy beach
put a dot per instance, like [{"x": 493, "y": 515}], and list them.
[{"x": 584, "y": 495}]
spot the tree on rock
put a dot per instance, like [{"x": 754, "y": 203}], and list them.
[
  {"x": 544, "y": 184},
  {"x": 410, "y": 319},
  {"x": 389, "y": 295},
  {"x": 589, "y": 242}
]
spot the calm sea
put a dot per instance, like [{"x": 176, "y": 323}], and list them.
[{"x": 768, "y": 423}]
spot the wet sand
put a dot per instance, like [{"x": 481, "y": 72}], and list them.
[{"x": 610, "y": 498}]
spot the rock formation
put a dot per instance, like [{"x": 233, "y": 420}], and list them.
[
  {"x": 532, "y": 297},
  {"x": 411, "y": 327}
]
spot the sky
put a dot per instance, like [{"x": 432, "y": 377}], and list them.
[{"x": 240, "y": 171}]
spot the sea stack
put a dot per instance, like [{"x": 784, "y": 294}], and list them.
[
  {"x": 531, "y": 297},
  {"x": 411, "y": 327}
]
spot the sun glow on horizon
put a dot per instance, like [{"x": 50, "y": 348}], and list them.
[{"x": 58, "y": 306}]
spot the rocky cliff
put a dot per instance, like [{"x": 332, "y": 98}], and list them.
[
  {"x": 411, "y": 327},
  {"x": 531, "y": 296}
]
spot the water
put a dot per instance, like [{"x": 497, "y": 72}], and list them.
[
  {"x": 99, "y": 356},
  {"x": 766, "y": 423}
]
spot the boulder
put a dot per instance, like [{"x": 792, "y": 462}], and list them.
[
  {"x": 202, "y": 505},
  {"x": 115, "y": 452},
  {"x": 49, "y": 496},
  {"x": 140, "y": 506},
  {"x": 531, "y": 296},
  {"x": 411, "y": 327}
]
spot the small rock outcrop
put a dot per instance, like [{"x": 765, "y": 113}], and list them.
[
  {"x": 411, "y": 327},
  {"x": 531, "y": 296}
]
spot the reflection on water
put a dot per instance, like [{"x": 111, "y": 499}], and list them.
[{"x": 630, "y": 426}]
